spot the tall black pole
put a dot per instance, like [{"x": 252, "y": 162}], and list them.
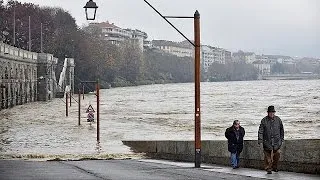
[
  {"x": 67, "y": 104},
  {"x": 29, "y": 44},
  {"x": 79, "y": 103},
  {"x": 41, "y": 40},
  {"x": 197, "y": 90},
  {"x": 14, "y": 25},
  {"x": 98, "y": 111}
]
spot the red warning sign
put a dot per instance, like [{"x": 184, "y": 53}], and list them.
[{"x": 90, "y": 109}]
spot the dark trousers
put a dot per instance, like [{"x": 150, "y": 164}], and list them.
[{"x": 271, "y": 159}]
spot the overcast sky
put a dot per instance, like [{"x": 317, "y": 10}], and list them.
[{"x": 287, "y": 27}]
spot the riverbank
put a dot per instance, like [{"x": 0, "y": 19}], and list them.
[{"x": 123, "y": 83}]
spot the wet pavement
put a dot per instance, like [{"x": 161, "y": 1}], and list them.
[{"x": 133, "y": 169}]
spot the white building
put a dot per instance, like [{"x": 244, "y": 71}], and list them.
[
  {"x": 263, "y": 67},
  {"x": 210, "y": 55},
  {"x": 117, "y": 35},
  {"x": 179, "y": 49},
  {"x": 262, "y": 58},
  {"x": 220, "y": 56},
  {"x": 228, "y": 56},
  {"x": 244, "y": 57},
  {"x": 289, "y": 61},
  {"x": 272, "y": 59},
  {"x": 249, "y": 57},
  {"x": 138, "y": 37},
  {"x": 207, "y": 57},
  {"x": 147, "y": 44}
]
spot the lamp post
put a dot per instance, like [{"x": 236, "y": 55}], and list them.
[{"x": 92, "y": 7}]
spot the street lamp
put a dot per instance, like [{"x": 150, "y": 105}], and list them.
[
  {"x": 92, "y": 8},
  {"x": 91, "y": 5}
]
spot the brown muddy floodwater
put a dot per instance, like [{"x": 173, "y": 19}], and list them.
[{"x": 158, "y": 112}]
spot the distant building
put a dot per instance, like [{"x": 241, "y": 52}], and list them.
[
  {"x": 117, "y": 35},
  {"x": 262, "y": 58},
  {"x": 238, "y": 57},
  {"x": 263, "y": 67},
  {"x": 210, "y": 55},
  {"x": 228, "y": 56},
  {"x": 179, "y": 49},
  {"x": 249, "y": 57},
  {"x": 138, "y": 37},
  {"x": 147, "y": 44},
  {"x": 244, "y": 57},
  {"x": 289, "y": 61},
  {"x": 207, "y": 56},
  {"x": 220, "y": 56},
  {"x": 273, "y": 59}
]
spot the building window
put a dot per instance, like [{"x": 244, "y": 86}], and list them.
[{"x": 6, "y": 75}]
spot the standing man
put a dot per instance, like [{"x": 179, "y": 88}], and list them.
[
  {"x": 271, "y": 134},
  {"x": 235, "y": 135}
]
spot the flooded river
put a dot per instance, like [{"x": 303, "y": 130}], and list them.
[{"x": 158, "y": 112}]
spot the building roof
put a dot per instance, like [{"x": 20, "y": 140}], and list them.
[
  {"x": 278, "y": 56},
  {"x": 171, "y": 43},
  {"x": 242, "y": 53},
  {"x": 104, "y": 25},
  {"x": 208, "y": 48},
  {"x": 259, "y": 62},
  {"x": 137, "y": 32},
  {"x": 261, "y": 57}
]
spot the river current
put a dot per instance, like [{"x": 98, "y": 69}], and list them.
[{"x": 158, "y": 112}]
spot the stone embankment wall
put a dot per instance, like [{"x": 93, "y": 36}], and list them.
[
  {"x": 28, "y": 76},
  {"x": 296, "y": 155}
]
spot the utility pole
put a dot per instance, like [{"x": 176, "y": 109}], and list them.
[
  {"x": 14, "y": 25},
  {"x": 29, "y": 33},
  {"x": 41, "y": 48},
  {"x": 197, "y": 90}
]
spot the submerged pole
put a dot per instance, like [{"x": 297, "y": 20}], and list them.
[
  {"x": 98, "y": 113},
  {"x": 79, "y": 104},
  {"x": 67, "y": 104}
]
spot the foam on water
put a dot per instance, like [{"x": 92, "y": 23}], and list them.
[{"x": 157, "y": 112}]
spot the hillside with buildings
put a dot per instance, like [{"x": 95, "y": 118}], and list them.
[
  {"x": 217, "y": 63},
  {"x": 122, "y": 56}
]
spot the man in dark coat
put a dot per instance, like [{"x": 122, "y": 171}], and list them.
[
  {"x": 235, "y": 135},
  {"x": 271, "y": 135}
]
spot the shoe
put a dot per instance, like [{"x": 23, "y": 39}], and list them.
[
  {"x": 275, "y": 170},
  {"x": 269, "y": 172}
]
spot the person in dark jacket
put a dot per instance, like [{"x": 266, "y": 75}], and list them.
[
  {"x": 271, "y": 135},
  {"x": 235, "y": 135}
]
